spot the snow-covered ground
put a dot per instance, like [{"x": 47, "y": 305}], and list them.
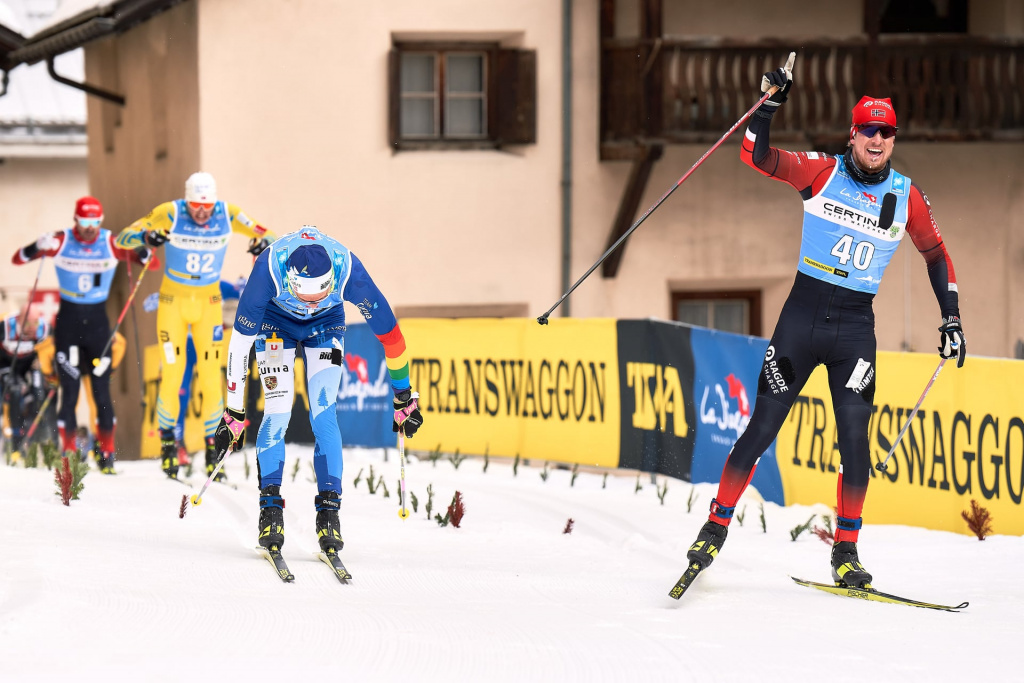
[{"x": 117, "y": 587}]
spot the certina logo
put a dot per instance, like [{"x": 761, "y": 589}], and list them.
[
  {"x": 84, "y": 265},
  {"x": 197, "y": 243},
  {"x": 856, "y": 218}
]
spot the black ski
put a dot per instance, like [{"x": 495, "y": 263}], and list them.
[
  {"x": 874, "y": 595},
  {"x": 273, "y": 556},
  {"x": 685, "y": 580},
  {"x": 331, "y": 559}
]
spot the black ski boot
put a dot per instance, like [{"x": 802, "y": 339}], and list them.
[
  {"x": 709, "y": 542},
  {"x": 328, "y": 528},
  {"x": 168, "y": 454},
  {"x": 105, "y": 461},
  {"x": 271, "y": 518},
  {"x": 847, "y": 570},
  {"x": 211, "y": 460}
]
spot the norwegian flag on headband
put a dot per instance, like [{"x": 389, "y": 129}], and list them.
[{"x": 874, "y": 110}]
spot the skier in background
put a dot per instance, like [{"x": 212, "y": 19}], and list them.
[
  {"x": 85, "y": 258},
  {"x": 828, "y": 318},
  {"x": 294, "y": 297},
  {"x": 196, "y": 230},
  {"x": 21, "y": 384}
]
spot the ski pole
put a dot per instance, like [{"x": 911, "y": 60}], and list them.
[
  {"x": 403, "y": 513},
  {"x": 882, "y": 466},
  {"x": 101, "y": 364},
  {"x": 197, "y": 499},
  {"x": 39, "y": 417},
  {"x": 543, "y": 320}
]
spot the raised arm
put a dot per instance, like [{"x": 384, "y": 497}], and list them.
[
  {"x": 48, "y": 244},
  {"x": 150, "y": 230}
]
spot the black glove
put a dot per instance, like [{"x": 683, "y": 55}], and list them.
[
  {"x": 952, "y": 343},
  {"x": 143, "y": 254},
  {"x": 256, "y": 245},
  {"x": 230, "y": 434},
  {"x": 154, "y": 238},
  {"x": 780, "y": 79},
  {"x": 407, "y": 413}
]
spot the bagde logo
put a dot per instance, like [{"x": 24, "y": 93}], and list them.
[
  {"x": 878, "y": 103},
  {"x": 358, "y": 365},
  {"x": 878, "y": 113},
  {"x": 872, "y": 197}
]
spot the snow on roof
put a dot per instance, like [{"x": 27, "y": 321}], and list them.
[{"x": 34, "y": 99}]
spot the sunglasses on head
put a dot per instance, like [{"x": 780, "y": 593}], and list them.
[
  {"x": 195, "y": 206},
  {"x": 868, "y": 130},
  {"x": 90, "y": 222}
]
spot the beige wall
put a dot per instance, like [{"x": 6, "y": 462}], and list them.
[
  {"x": 36, "y": 195},
  {"x": 304, "y": 140}
]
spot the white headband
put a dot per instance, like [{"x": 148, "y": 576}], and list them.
[{"x": 310, "y": 285}]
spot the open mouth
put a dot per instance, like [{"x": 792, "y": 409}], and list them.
[{"x": 874, "y": 154}]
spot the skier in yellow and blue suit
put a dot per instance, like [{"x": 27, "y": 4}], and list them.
[{"x": 195, "y": 231}]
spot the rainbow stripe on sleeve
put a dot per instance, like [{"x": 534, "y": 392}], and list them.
[{"x": 395, "y": 356}]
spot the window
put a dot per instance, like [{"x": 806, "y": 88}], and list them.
[
  {"x": 443, "y": 95},
  {"x": 461, "y": 96},
  {"x": 738, "y": 312}
]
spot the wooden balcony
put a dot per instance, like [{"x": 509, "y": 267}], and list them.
[{"x": 947, "y": 88}]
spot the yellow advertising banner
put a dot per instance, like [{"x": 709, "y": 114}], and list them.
[
  {"x": 194, "y": 433},
  {"x": 510, "y": 386},
  {"x": 966, "y": 442}
]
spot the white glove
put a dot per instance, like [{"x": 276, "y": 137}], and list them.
[{"x": 47, "y": 242}]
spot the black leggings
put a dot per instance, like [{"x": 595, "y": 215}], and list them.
[
  {"x": 86, "y": 328},
  {"x": 820, "y": 324}
]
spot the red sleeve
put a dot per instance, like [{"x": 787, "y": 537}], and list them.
[
  {"x": 806, "y": 171},
  {"x": 29, "y": 252},
  {"x": 925, "y": 234}
]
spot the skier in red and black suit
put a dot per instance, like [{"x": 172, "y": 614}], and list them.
[
  {"x": 85, "y": 258},
  {"x": 856, "y": 211}
]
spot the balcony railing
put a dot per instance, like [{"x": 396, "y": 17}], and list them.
[{"x": 942, "y": 87}]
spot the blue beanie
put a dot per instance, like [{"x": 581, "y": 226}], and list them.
[{"x": 307, "y": 267}]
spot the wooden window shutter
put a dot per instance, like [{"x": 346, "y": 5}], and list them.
[
  {"x": 394, "y": 98},
  {"x": 515, "y": 97}
]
